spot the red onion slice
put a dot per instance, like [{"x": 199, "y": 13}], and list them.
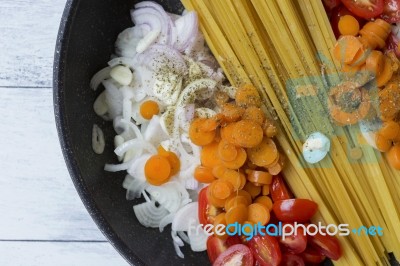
[{"x": 187, "y": 29}]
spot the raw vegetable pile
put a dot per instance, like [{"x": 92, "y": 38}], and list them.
[{"x": 368, "y": 50}]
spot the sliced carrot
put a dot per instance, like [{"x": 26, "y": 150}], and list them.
[
  {"x": 209, "y": 155},
  {"x": 221, "y": 189},
  {"x": 260, "y": 177},
  {"x": 253, "y": 190},
  {"x": 161, "y": 151},
  {"x": 247, "y": 133},
  {"x": 157, "y": 170},
  {"x": 148, "y": 109},
  {"x": 227, "y": 151},
  {"x": 213, "y": 200},
  {"x": 236, "y": 214},
  {"x": 254, "y": 113},
  {"x": 393, "y": 156},
  {"x": 234, "y": 201},
  {"x": 218, "y": 171},
  {"x": 374, "y": 33},
  {"x": 277, "y": 167},
  {"x": 244, "y": 193},
  {"x": 375, "y": 62},
  {"x": 386, "y": 73},
  {"x": 238, "y": 161},
  {"x": 348, "y": 25},
  {"x": 197, "y": 135},
  {"x": 232, "y": 112},
  {"x": 227, "y": 132},
  {"x": 274, "y": 162},
  {"x": 233, "y": 177},
  {"x": 270, "y": 129},
  {"x": 257, "y": 213},
  {"x": 210, "y": 124},
  {"x": 203, "y": 174},
  {"x": 174, "y": 162},
  {"x": 382, "y": 143},
  {"x": 389, "y": 101},
  {"x": 264, "y": 154},
  {"x": 265, "y": 190},
  {"x": 265, "y": 201},
  {"x": 346, "y": 49},
  {"x": 248, "y": 95},
  {"x": 390, "y": 130},
  {"x": 243, "y": 180}
]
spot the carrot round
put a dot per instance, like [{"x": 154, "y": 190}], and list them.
[
  {"x": 210, "y": 124},
  {"x": 270, "y": 129},
  {"x": 232, "y": 112},
  {"x": 393, "y": 156},
  {"x": 236, "y": 214},
  {"x": 265, "y": 190},
  {"x": 254, "y": 113},
  {"x": 197, "y": 135},
  {"x": 257, "y": 213},
  {"x": 218, "y": 171},
  {"x": 238, "y": 161},
  {"x": 265, "y": 201},
  {"x": 383, "y": 144},
  {"x": 253, "y": 190},
  {"x": 220, "y": 219},
  {"x": 390, "y": 130},
  {"x": 243, "y": 180},
  {"x": 248, "y": 95},
  {"x": 213, "y": 200},
  {"x": 374, "y": 34},
  {"x": 148, "y": 109},
  {"x": 209, "y": 155},
  {"x": 389, "y": 101},
  {"x": 221, "y": 97},
  {"x": 221, "y": 189},
  {"x": 264, "y": 154},
  {"x": 232, "y": 177},
  {"x": 227, "y": 151},
  {"x": 276, "y": 168},
  {"x": 348, "y": 25},
  {"x": 244, "y": 193},
  {"x": 172, "y": 158},
  {"x": 227, "y": 132},
  {"x": 247, "y": 133},
  {"x": 375, "y": 62},
  {"x": 259, "y": 177},
  {"x": 203, "y": 174},
  {"x": 157, "y": 170},
  {"x": 386, "y": 73},
  {"x": 346, "y": 48},
  {"x": 234, "y": 201}
]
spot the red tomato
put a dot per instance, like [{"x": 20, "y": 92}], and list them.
[
  {"x": 291, "y": 260},
  {"x": 391, "y": 11},
  {"x": 294, "y": 243},
  {"x": 294, "y": 210},
  {"x": 266, "y": 250},
  {"x": 279, "y": 190},
  {"x": 311, "y": 255},
  {"x": 365, "y": 8},
  {"x": 233, "y": 253},
  {"x": 215, "y": 246},
  {"x": 327, "y": 245},
  {"x": 331, "y": 4},
  {"x": 339, "y": 12},
  {"x": 207, "y": 212}
]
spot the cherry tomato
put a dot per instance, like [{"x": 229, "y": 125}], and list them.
[
  {"x": 331, "y": 4},
  {"x": 215, "y": 246},
  {"x": 339, "y": 12},
  {"x": 365, "y": 8},
  {"x": 266, "y": 250},
  {"x": 233, "y": 253},
  {"x": 326, "y": 244},
  {"x": 207, "y": 212},
  {"x": 391, "y": 11},
  {"x": 294, "y": 243},
  {"x": 291, "y": 260},
  {"x": 294, "y": 210},
  {"x": 279, "y": 190},
  {"x": 312, "y": 256}
]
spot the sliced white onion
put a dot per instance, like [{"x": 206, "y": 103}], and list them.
[
  {"x": 113, "y": 99},
  {"x": 127, "y": 41},
  {"x": 147, "y": 40},
  {"x": 137, "y": 168},
  {"x": 184, "y": 237},
  {"x": 166, "y": 221},
  {"x": 169, "y": 195},
  {"x": 98, "y": 142},
  {"x": 99, "y": 77},
  {"x": 200, "y": 89},
  {"x": 186, "y": 217},
  {"x": 198, "y": 240},
  {"x": 130, "y": 144},
  {"x": 149, "y": 215},
  {"x": 118, "y": 167},
  {"x": 122, "y": 62},
  {"x": 154, "y": 133},
  {"x": 187, "y": 28},
  {"x": 177, "y": 244},
  {"x": 134, "y": 187}
]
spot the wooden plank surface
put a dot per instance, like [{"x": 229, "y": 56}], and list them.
[
  {"x": 28, "y": 34},
  {"x": 43, "y": 221},
  {"x": 58, "y": 254}
]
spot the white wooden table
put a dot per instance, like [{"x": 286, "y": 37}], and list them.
[{"x": 42, "y": 220}]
